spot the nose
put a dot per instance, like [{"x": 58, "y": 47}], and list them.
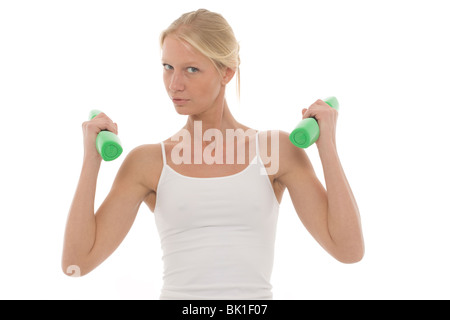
[{"x": 176, "y": 82}]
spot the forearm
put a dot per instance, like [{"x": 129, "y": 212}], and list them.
[
  {"x": 344, "y": 223},
  {"x": 81, "y": 227}
]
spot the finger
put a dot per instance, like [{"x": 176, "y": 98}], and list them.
[
  {"x": 100, "y": 115},
  {"x": 309, "y": 113},
  {"x": 110, "y": 126},
  {"x": 321, "y": 103},
  {"x": 103, "y": 122},
  {"x": 305, "y": 113}
]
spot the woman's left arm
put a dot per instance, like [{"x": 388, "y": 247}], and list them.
[
  {"x": 330, "y": 215},
  {"x": 344, "y": 223}
]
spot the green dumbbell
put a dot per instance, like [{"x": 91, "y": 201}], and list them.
[
  {"x": 107, "y": 143},
  {"x": 307, "y": 131}
]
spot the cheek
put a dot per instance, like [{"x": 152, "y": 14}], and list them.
[
  {"x": 210, "y": 88},
  {"x": 166, "y": 80}
]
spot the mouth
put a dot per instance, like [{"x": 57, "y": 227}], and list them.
[{"x": 179, "y": 101}]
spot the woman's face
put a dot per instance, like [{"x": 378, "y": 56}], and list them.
[{"x": 191, "y": 80}]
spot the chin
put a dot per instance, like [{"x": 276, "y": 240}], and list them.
[
  {"x": 182, "y": 110},
  {"x": 188, "y": 110}
]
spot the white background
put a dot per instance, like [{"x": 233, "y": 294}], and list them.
[{"x": 386, "y": 61}]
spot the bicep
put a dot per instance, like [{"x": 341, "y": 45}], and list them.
[
  {"x": 116, "y": 214},
  {"x": 310, "y": 202},
  {"x": 307, "y": 193}
]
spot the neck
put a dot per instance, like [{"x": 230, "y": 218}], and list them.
[{"x": 218, "y": 117}]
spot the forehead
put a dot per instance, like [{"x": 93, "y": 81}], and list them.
[{"x": 178, "y": 51}]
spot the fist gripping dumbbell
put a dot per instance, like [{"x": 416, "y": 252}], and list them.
[
  {"x": 108, "y": 144},
  {"x": 307, "y": 131}
]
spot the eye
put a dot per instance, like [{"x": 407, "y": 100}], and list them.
[
  {"x": 167, "y": 66},
  {"x": 192, "y": 70}
]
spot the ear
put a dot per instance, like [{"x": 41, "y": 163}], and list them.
[{"x": 228, "y": 75}]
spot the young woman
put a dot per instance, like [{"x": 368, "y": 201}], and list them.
[{"x": 216, "y": 210}]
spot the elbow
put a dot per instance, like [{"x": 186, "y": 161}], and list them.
[
  {"x": 352, "y": 256},
  {"x": 74, "y": 269},
  {"x": 74, "y": 264},
  {"x": 351, "y": 259}
]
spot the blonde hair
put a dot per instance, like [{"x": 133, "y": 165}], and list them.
[{"x": 209, "y": 33}]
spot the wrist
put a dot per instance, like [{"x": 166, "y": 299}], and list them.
[
  {"x": 326, "y": 145},
  {"x": 92, "y": 158}
]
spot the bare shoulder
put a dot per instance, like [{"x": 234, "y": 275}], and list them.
[
  {"x": 145, "y": 152},
  {"x": 144, "y": 163},
  {"x": 291, "y": 160},
  {"x": 290, "y": 153},
  {"x": 276, "y": 142}
]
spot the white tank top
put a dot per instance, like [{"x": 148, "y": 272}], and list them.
[{"x": 217, "y": 234}]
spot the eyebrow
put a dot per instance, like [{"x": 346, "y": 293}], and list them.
[{"x": 189, "y": 63}]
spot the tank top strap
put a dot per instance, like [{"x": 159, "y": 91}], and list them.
[
  {"x": 163, "y": 150},
  {"x": 257, "y": 144}
]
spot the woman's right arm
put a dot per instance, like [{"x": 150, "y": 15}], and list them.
[{"x": 91, "y": 237}]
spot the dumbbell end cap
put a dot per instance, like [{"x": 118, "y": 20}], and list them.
[
  {"x": 299, "y": 139},
  {"x": 111, "y": 151}
]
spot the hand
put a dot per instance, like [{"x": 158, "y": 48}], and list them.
[
  {"x": 326, "y": 117},
  {"x": 90, "y": 131}
]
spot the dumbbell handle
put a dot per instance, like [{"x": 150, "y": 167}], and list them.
[
  {"x": 107, "y": 143},
  {"x": 307, "y": 131}
]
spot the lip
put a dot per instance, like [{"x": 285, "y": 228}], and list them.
[{"x": 179, "y": 101}]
